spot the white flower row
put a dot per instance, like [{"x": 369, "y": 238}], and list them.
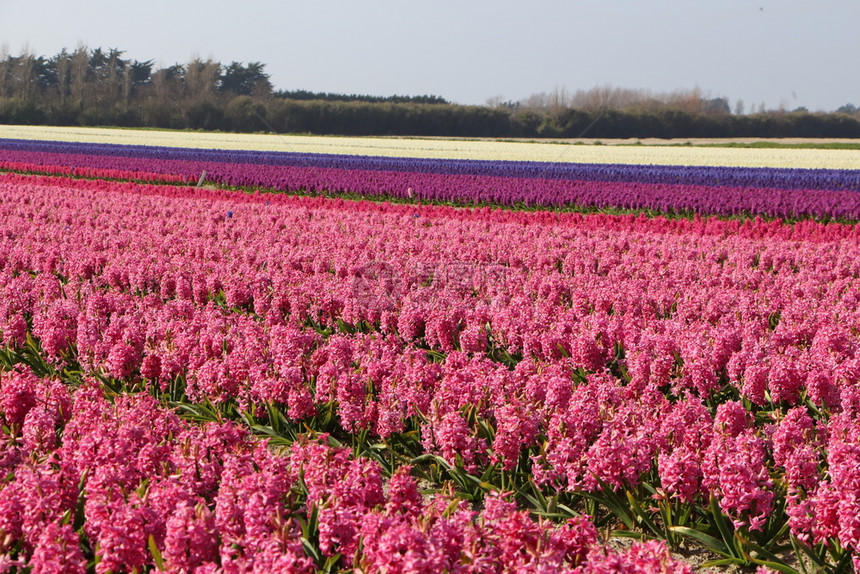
[{"x": 453, "y": 149}]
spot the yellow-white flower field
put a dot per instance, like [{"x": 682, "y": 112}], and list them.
[{"x": 453, "y": 149}]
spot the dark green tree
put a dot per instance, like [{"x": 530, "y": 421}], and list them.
[{"x": 247, "y": 80}]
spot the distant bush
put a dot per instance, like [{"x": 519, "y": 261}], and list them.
[{"x": 100, "y": 87}]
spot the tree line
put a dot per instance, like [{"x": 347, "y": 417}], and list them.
[{"x": 103, "y": 88}]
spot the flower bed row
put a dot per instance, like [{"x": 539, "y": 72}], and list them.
[
  {"x": 684, "y": 378},
  {"x": 93, "y": 172}
]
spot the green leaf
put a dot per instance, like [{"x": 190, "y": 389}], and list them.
[
  {"x": 711, "y": 543},
  {"x": 616, "y": 509},
  {"x": 311, "y": 550},
  {"x": 452, "y": 507},
  {"x": 642, "y": 514},
  {"x": 248, "y": 419},
  {"x": 778, "y": 566},
  {"x": 567, "y": 509},
  {"x": 801, "y": 547},
  {"x": 538, "y": 500},
  {"x": 79, "y": 517},
  {"x": 264, "y": 430},
  {"x": 844, "y": 563},
  {"x": 156, "y": 553},
  {"x": 723, "y": 562},
  {"x": 422, "y": 458},
  {"x": 309, "y": 528},
  {"x": 629, "y": 534},
  {"x": 725, "y": 531},
  {"x": 762, "y": 552},
  {"x": 331, "y": 563},
  {"x": 608, "y": 498}
]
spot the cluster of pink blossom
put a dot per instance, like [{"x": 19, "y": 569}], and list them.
[
  {"x": 113, "y": 476},
  {"x": 605, "y": 350},
  {"x": 136, "y": 486}
]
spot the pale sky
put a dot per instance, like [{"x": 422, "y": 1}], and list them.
[{"x": 777, "y": 52}]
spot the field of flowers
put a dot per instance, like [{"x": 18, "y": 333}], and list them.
[
  {"x": 704, "y": 190},
  {"x": 196, "y": 379}
]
